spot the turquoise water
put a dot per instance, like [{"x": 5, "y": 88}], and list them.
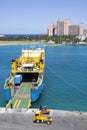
[{"x": 65, "y": 83}]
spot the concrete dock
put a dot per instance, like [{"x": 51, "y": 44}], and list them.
[{"x": 22, "y": 119}]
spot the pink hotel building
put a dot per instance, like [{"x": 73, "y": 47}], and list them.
[{"x": 65, "y": 28}]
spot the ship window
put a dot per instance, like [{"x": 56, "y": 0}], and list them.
[{"x": 28, "y": 68}]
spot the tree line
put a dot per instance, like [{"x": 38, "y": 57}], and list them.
[{"x": 46, "y": 38}]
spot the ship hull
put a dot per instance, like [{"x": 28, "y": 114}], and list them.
[
  {"x": 7, "y": 95},
  {"x": 35, "y": 93}
]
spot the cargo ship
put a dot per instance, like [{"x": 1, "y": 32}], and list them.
[{"x": 26, "y": 79}]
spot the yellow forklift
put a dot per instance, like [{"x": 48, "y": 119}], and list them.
[{"x": 39, "y": 117}]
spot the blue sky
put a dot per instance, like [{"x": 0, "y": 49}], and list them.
[{"x": 33, "y": 16}]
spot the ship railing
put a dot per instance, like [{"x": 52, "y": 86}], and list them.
[
  {"x": 8, "y": 82},
  {"x": 22, "y": 69},
  {"x": 38, "y": 82},
  {"x": 34, "y": 82}
]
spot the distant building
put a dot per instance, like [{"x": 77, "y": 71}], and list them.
[
  {"x": 66, "y": 26},
  {"x": 51, "y": 29},
  {"x": 85, "y": 32},
  {"x": 81, "y": 29},
  {"x": 62, "y": 27},
  {"x": 74, "y": 30},
  {"x": 51, "y": 42},
  {"x": 81, "y": 37}
]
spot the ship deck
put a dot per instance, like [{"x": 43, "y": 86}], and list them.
[{"x": 22, "y": 98}]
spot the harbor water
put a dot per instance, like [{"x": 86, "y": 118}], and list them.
[{"x": 65, "y": 81}]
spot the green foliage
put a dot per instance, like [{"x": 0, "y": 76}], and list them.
[{"x": 46, "y": 38}]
